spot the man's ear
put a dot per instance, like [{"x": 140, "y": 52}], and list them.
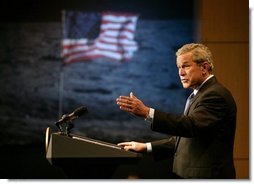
[{"x": 205, "y": 66}]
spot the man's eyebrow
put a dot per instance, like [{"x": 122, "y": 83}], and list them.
[{"x": 184, "y": 63}]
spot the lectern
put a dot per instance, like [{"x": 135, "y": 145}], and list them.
[{"x": 82, "y": 157}]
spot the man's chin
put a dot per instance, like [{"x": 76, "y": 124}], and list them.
[{"x": 186, "y": 86}]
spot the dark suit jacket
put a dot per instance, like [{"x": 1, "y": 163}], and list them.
[{"x": 205, "y": 135}]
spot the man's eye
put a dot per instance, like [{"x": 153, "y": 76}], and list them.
[{"x": 185, "y": 66}]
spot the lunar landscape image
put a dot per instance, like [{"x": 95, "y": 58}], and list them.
[{"x": 37, "y": 88}]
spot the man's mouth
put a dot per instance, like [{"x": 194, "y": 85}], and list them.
[{"x": 184, "y": 80}]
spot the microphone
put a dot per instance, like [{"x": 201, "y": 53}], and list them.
[{"x": 74, "y": 115}]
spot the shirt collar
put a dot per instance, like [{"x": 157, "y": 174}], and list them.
[{"x": 196, "y": 90}]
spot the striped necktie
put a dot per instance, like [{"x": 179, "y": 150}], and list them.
[{"x": 188, "y": 102}]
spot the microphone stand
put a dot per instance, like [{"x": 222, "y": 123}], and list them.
[{"x": 65, "y": 126}]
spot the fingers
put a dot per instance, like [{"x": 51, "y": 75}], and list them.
[
  {"x": 125, "y": 103},
  {"x": 124, "y": 97},
  {"x": 124, "y": 144},
  {"x": 132, "y": 104},
  {"x": 128, "y": 145},
  {"x": 133, "y": 146},
  {"x": 123, "y": 100}
]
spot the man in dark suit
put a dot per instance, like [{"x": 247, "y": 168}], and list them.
[{"x": 202, "y": 139}]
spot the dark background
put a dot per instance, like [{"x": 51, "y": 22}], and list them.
[
  {"x": 31, "y": 67},
  {"x": 46, "y": 10}
]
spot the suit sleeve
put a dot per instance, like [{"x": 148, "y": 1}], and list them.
[
  {"x": 164, "y": 148},
  {"x": 204, "y": 116}
]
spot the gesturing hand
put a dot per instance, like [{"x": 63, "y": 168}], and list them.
[{"x": 132, "y": 105}]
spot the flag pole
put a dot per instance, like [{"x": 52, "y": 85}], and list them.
[
  {"x": 60, "y": 105},
  {"x": 61, "y": 78}
]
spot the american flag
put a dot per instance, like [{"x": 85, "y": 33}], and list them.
[{"x": 91, "y": 35}]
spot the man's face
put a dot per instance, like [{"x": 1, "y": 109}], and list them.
[{"x": 190, "y": 73}]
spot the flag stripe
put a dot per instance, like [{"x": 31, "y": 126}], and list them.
[
  {"x": 116, "y": 26},
  {"x": 101, "y": 44},
  {"x": 117, "y": 33},
  {"x": 113, "y": 40}
]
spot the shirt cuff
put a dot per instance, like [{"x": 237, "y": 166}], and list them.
[
  {"x": 150, "y": 116},
  {"x": 149, "y": 147}
]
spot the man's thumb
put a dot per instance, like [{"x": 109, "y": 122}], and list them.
[{"x": 132, "y": 95}]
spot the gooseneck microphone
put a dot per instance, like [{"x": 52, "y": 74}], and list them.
[
  {"x": 74, "y": 115},
  {"x": 65, "y": 124}
]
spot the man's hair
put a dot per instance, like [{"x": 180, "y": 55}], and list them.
[{"x": 200, "y": 53}]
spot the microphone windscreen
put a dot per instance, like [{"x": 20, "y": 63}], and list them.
[{"x": 80, "y": 111}]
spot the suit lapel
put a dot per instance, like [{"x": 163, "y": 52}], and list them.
[{"x": 207, "y": 84}]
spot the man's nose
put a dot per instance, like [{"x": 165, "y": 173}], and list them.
[{"x": 181, "y": 72}]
